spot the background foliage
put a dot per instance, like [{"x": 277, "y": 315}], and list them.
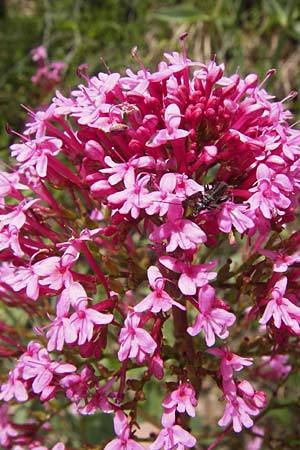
[{"x": 250, "y": 36}]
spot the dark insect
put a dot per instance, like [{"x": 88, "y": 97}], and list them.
[{"x": 213, "y": 195}]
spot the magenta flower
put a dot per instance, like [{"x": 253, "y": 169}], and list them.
[
  {"x": 158, "y": 300},
  {"x": 14, "y": 387},
  {"x": 182, "y": 399},
  {"x": 192, "y": 275},
  {"x": 173, "y": 437},
  {"x": 84, "y": 319},
  {"x": 230, "y": 362},
  {"x": 130, "y": 200},
  {"x": 211, "y": 319},
  {"x": 123, "y": 440},
  {"x": 35, "y": 154},
  {"x": 282, "y": 310},
  {"x": 232, "y": 215},
  {"x": 172, "y": 131},
  {"x": 271, "y": 193},
  {"x": 180, "y": 232},
  {"x": 8, "y": 430},
  {"x": 275, "y": 367},
  {"x": 125, "y": 171},
  {"x": 42, "y": 370},
  {"x": 135, "y": 342},
  {"x": 237, "y": 412},
  {"x": 55, "y": 271},
  {"x": 282, "y": 261}
]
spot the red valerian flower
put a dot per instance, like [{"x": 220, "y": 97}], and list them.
[
  {"x": 158, "y": 300},
  {"x": 212, "y": 319},
  {"x": 135, "y": 342},
  {"x": 138, "y": 215},
  {"x": 123, "y": 440},
  {"x": 281, "y": 309}
]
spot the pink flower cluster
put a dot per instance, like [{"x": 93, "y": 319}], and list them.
[
  {"x": 48, "y": 74},
  {"x": 146, "y": 224}
]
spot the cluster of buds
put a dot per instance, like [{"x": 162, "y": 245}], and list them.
[{"x": 147, "y": 224}]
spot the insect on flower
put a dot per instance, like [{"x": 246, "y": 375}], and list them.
[{"x": 211, "y": 197}]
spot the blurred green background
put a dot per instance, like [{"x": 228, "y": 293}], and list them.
[{"x": 248, "y": 35}]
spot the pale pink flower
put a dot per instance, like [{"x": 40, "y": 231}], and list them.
[
  {"x": 270, "y": 194},
  {"x": 99, "y": 400},
  {"x": 256, "y": 442},
  {"x": 173, "y": 437},
  {"x": 237, "y": 412},
  {"x": 182, "y": 399},
  {"x": 80, "y": 325},
  {"x": 230, "y": 362},
  {"x": 158, "y": 300},
  {"x": 39, "y": 53},
  {"x": 135, "y": 342},
  {"x": 39, "y": 121},
  {"x": 253, "y": 398},
  {"x": 23, "y": 278},
  {"x": 10, "y": 183},
  {"x": 8, "y": 430},
  {"x": 282, "y": 310},
  {"x": 159, "y": 201},
  {"x": 74, "y": 244},
  {"x": 10, "y": 238},
  {"x": 212, "y": 319},
  {"x": 55, "y": 271},
  {"x": 123, "y": 171},
  {"x": 180, "y": 232},
  {"x": 84, "y": 319},
  {"x": 123, "y": 432},
  {"x": 42, "y": 370},
  {"x": 281, "y": 260},
  {"x": 192, "y": 275},
  {"x": 14, "y": 387},
  {"x": 172, "y": 131},
  {"x": 17, "y": 217},
  {"x": 35, "y": 153},
  {"x": 57, "y": 446},
  {"x": 233, "y": 215},
  {"x": 78, "y": 385},
  {"x": 130, "y": 200},
  {"x": 61, "y": 330}
]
